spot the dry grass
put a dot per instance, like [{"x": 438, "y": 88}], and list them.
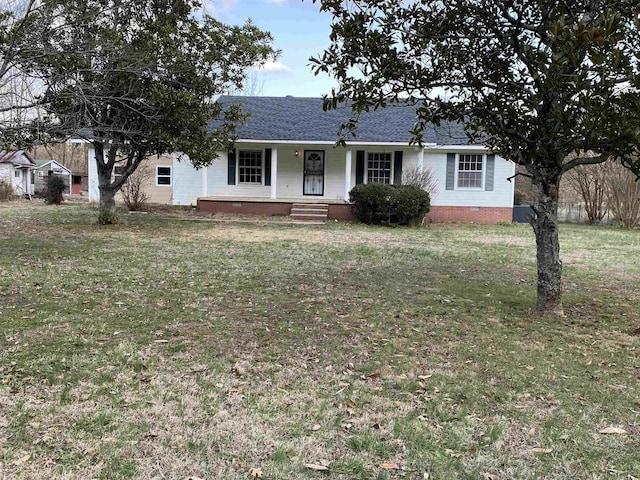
[{"x": 172, "y": 349}]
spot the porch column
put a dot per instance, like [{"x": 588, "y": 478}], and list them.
[
  {"x": 205, "y": 181},
  {"x": 347, "y": 175},
  {"x": 274, "y": 172},
  {"x": 421, "y": 160}
]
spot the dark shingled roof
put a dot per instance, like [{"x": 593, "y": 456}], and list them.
[{"x": 303, "y": 120}]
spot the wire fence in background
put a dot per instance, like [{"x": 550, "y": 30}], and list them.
[
  {"x": 576, "y": 213},
  {"x": 567, "y": 212}
]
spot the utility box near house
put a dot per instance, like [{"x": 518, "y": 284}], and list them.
[{"x": 522, "y": 213}]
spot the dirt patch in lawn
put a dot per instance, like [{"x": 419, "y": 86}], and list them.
[
  {"x": 511, "y": 241},
  {"x": 318, "y": 235}
]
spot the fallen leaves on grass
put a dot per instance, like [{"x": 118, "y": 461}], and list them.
[
  {"x": 256, "y": 473},
  {"x": 389, "y": 466},
  {"x": 316, "y": 466},
  {"x": 453, "y": 454},
  {"x": 541, "y": 450},
  {"x": 199, "y": 368},
  {"x": 22, "y": 460},
  {"x": 613, "y": 431}
]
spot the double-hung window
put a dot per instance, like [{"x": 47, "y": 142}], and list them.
[
  {"x": 470, "y": 171},
  {"x": 163, "y": 176},
  {"x": 379, "y": 168},
  {"x": 118, "y": 171},
  {"x": 250, "y": 166}
]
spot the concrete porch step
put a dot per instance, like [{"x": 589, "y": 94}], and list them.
[
  {"x": 311, "y": 205},
  {"x": 301, "y": 216},
  {"x": 309, "y": 211}
]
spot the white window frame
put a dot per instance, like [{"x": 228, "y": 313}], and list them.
[
  {"x": 366, "y": 167},
  {"x": 114, "y": 175},
  {"x": 239, "y": 167},
  {"x": 482, "y": 172},
  {"x": 170, "y": 176}
]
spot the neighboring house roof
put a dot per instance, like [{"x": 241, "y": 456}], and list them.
[
  {"x": 44, "y": 163},
  {"x": 304, "y": 120},
  {"x": 19, "y": 158}
]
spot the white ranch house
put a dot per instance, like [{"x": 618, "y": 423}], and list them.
[{"x": 285, "y": 159}]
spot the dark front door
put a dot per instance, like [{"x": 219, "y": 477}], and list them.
[{"x": 313, "y": 172}]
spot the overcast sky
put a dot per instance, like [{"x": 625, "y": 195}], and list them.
[{"x": 299, "y": 30}]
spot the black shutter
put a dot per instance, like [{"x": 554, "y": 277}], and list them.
[
  {"x": 267, "y": 166},
  {"x": 491, "y": 168},
  {"x": 451, "y": 171},
  {"x": 397, "y": 167},
  {"x": 231, "y": 167},
  {"x": 359, "y": 167}
]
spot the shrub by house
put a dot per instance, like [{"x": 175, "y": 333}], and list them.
[{"x": 389, "y": 204}]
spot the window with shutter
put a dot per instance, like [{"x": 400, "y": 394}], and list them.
[
  {"x": 379, "y": 168},
  {"x": 470, "y": 171},
  {"x": 250, "y": 166}
]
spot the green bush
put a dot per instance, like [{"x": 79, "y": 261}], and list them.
[
  {"x": 389, "y": 204},
  {"x": 54, "y": 189},
  {"x": 6, "y": 191}
]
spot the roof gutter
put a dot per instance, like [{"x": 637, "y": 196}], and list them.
[
  {"x": 326, "y": 142},
  {"x": 426, "y": 146}
]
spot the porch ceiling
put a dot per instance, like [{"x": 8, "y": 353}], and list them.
[{"x": 338, "y": 201}]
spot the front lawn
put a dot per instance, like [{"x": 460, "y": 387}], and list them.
[{"x": 171, "y": 349}]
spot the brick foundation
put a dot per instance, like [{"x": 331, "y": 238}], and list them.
[
  {"x": 483, "y": 215},
  {"x": 243, "y": 207},
  {"x": 337, "y": 211},
  {"x": 343, "y": 212}
]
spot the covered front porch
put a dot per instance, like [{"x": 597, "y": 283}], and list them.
[
  {"x": 280, "y": 178},
  {"x": 305, "y": 172}
]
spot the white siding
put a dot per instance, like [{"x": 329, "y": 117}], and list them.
[
  {"x": 6, "y": 172},
  {"x": 20, "y": 184},
  {"x": 290, "y": 174},
  {"x": 335, "y": 159},
  {"x": 501, "y": 196},
  {"x": 94, "y": 192},
  {"x": 409, "y": 159},
  {"x": 187, "y": 182},
  {"x": 290, "y": 170},
  {"x": 217, "y": 178}
]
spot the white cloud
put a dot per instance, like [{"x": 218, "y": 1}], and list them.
[
  {"x": 277, "y": 2},
  {"x": 273, "y": 66},
  {"x": 219, "y": 8}
]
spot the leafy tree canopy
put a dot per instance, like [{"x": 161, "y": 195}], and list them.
[
  {"x": 540, "y": 82},
  {"x": 136, "y": 78}
]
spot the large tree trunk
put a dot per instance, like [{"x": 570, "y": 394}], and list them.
[
  {"x": 107, "y": 215},
  {"x": 545, "y": 226}
]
